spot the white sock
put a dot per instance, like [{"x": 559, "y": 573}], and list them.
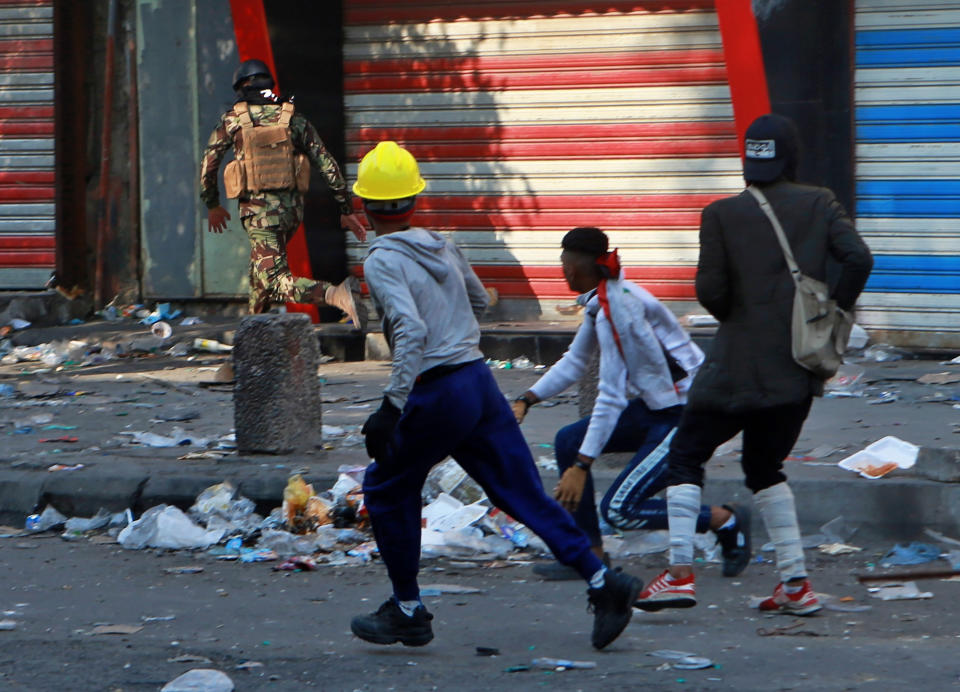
[
  {"x": 683, "y": 506},
  {"x": 598, "y": 579},
  {"x": 408, "y": 607},
  {"x": 780, "y": 517}
]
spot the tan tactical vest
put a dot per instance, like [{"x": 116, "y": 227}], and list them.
[{"x": 269, "y": 161}]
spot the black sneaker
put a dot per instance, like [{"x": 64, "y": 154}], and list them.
[
  {"x": 612, "y": 606},
  {"x": 735, "y": 541},
  {"x": 390, "y": 625},
  {"x": 557, "y": 571}
]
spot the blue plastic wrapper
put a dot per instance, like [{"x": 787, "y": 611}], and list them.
[{"x": 912, "y": 554}]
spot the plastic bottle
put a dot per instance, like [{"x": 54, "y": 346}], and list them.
[{"x": 211, "y": 346}]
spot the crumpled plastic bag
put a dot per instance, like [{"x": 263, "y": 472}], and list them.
[
  {"x": 218, "y": 507},
  {"x": 450, "y": 478},
  {"x": 303, "y": 509},
  {"x": 200, "y": 680},
  {"x": 286, "y": 543},
  {"x": 912, "y": 554},
  {"x": 463, "y": 543},
  {"x": 49, "y": 518},
  {"x": 81, "y": 525},
  {"x": 164, "y": 526},
  {"x": 295, "y": 497}
]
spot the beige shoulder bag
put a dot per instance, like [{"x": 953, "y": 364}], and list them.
[{"x": 820, "y": 329}]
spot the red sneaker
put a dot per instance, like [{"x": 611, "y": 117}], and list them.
[
  {"x": 667, "y": 592},
  {"x": 802, "y": 602}
]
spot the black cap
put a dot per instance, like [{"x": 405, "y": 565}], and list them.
[
  {"x": 251, "y": 68},
  {"x": 771, "y": 147}
]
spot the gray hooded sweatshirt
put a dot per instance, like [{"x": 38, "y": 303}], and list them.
[{"x": 429, "y": 299}]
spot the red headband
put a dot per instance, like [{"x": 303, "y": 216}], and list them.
[{"x": 610, "y": 263}]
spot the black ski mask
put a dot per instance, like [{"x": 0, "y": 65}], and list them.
[{"x": 252, "y": 90}]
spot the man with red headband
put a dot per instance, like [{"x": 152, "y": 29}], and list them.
[
  {"x": 647, "y": 362},
  {"x": 442, "y": 401}
]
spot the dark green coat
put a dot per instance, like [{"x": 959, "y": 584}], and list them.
[{"x": 742, "y": 279}]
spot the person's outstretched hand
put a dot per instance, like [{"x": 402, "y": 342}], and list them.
[
  {"x": 217, "y": 218},
  {"x": 570, "y": 488},
  {"x": 354, "y": 223},
  {"x": 519, "y": 410}
]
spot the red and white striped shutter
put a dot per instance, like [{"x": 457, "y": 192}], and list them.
[
  {"x": 27, "y": 244},
  {"x": 531, "y": 118}
]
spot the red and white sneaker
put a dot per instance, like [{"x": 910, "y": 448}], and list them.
[
  {"x": 667, "y": 592},
  {"x": 802, "y": 602}
]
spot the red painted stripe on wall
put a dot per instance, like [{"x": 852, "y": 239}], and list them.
[
  {"x": 383, "y": 12},
  {"x": 33, "y": 260},
  {"x": 724, "y": 129},
  {"x": 693, "y": 202},
  {"x": 18, "y": 193},
  {"x": 539, "y": 221},
  {"x": 26, "y": 63},
  {"x": 26, "y": 127},
  {"x": 642, "y": 273},
  {"x": 558, "y": 290},
  {"x": 28, "y": 242},
  {"x": 26, "y": 45},
  {"x": 468, "y": 80},
  {"x": 745, "y": 70},
  {"x": 569, "y": 61},
  {"x": 25, "y": 177},
  {"x": 27, "y": 112},
  {"x": 579, "y": 148}
]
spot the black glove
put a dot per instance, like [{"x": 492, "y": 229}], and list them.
[{"x": 379, "y": 427}]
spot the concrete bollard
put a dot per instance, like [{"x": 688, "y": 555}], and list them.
[{"x": 276, "y": 400}]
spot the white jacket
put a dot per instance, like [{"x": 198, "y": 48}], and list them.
[{"x": 647, "y": 330}]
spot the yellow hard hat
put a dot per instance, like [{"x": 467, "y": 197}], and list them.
[{"x": 388, "y": 172}]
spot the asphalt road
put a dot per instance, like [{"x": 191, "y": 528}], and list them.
[{"x": 297, "y": 626}]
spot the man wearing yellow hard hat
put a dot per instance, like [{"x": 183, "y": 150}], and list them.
[{"x": 442, "y": 401}]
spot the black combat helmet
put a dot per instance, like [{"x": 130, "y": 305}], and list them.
[{"x": 252, "y": 68}]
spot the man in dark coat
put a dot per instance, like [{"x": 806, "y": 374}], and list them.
[{"x": 750, "y": 382}]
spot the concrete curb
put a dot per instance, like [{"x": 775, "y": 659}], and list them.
[
  {"x": 82, "y": 493},
  {"x": 919, "y": 503}
]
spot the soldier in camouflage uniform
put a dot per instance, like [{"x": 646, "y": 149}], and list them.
[{"x": 271, "y": 216}]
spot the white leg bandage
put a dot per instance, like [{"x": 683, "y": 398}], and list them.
[
  {"x": 780, "y": 517},
  {"x": 683, "y": 506}
]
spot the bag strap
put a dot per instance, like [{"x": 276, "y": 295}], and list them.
[
  {"x": 781, "y": 236},
  {"x": 243, "y": 114},
  {"x": 286, "y": 112}
]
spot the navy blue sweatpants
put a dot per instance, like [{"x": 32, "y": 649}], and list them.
[
  {"x": 463, "y": 415},
  {"x": 629, "y": 502}
]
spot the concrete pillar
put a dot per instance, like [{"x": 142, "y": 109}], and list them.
[{"x": 276, "y": 400}]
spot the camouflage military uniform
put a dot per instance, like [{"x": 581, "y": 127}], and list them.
[{"x": 271, "y": 217}]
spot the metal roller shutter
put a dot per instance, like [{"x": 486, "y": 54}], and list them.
[
  {"x": 908, "y": 167},
  {"x": 27, "y": 246},
  {"x": 530, "y": 118}
]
